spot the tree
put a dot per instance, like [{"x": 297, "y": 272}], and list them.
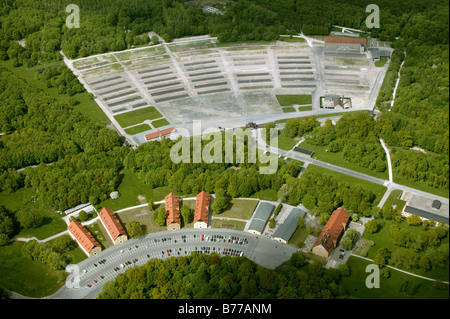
[
  {"x": 135, "y": 229},
  {"x": 30, "y": 219},
  {"x": 414, "y": 220},
  {"x": 372, "y": 226},
  {"x": 187, "y": 214},
  {"x": 83, "y": 216},
  {"x": 272, "y": 223},
  {"x": 220, "y": 203},
  {"x": 160, "y": 216}
]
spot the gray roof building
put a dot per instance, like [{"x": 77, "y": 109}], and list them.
[
  {"x": 425, "y": 214},
  {"x": 284, "y": 231},
  {"x": 260, "y": 218}
]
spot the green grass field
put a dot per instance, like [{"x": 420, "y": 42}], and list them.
[
  {"x": 305, "y": 108},
  {"x": 355, "y": 284},
  {"x": 231, "y": 224},
  {"x": 380, "y": 63},
  {"x": 288, "y": 109},
  {"x": 138, "y": 116},
  {"x": 240, "y": 208},
  {"x": 337, "y": 159},
  {"x": 288, "y": 100},
  {"x": 393, "y": 199},
  {"x": 160, "y": 122},
  {"x": 383, "y": 239},
  {"x": 138, "y": 129}
]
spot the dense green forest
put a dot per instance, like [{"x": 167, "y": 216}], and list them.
[{"x": 211, "y": 276}]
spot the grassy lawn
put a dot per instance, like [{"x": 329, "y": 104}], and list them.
[
  {"x": 21, "y": 200},
  {"x": 99, "y": 233},
  {"x": 285, "y": 142},
  {"x": 87, "y": 105},
  {"x": 266, "y": 194},
  {"x": 240, "y": 208},
  {"x": 231, "y": 224},
  {"x": 138, "y": 116},
  {"x": 288, "y": 100},
  {"x": 142, "y": 215},
  {"x": 16, "y": 200},
  {"x": 129, "y": 189},
  {"x": 289, "y": 109},
  {"x": 138, "y": 129},
  {"x": 321, "y": 154},
  {"x": 27, "y": 277},
  {"x": 417, "y": 185},
  {"x": 356, "y": 287},
  {"x": 383, "y": 239},
  {"x": 305, "y": 108},
  {"x": 393, "y": 199},
  {"x": 378, "y": 190},
  {"x": 160, "y": 122},
  {"x": 53, "y": 224},
  {"x": 380, "y": 63}
]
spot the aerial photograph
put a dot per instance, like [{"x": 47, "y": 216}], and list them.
[{"x": 226, "y": 155}]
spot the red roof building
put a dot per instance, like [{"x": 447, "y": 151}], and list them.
[
  {"x": 345, "y": 40},
  {"x": 159, "y": 134},
  {"x": 331, "y": 232},
  {"x": 202, "y": 210},
  {"x": 112, "y": 226},
  {"x": 84, "y": 238},
  {"x": 173, "y": 220}
]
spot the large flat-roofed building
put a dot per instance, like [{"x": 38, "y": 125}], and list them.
[
  {"x": 285, "y": 231},
  {"x": 84, "y": 239},
  {"x": 112, "y": 226},
  {"x": 351, "y": 45},
  {"x": 260, "y": 218},
  {"x": 173, "y": 220},
  {"x": 331, "y": 232},
  {"x": 201, "y": 213},
  {"x": 409, "y": 210}
]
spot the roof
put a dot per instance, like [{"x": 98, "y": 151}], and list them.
[
  {"x": 173, "y": 209},
  {"x": 425, "y": 214},
  {"x": 303, "y": 151},
  {"x": 345, "y": 40},
  {"x": 83, "y": 236},
  {"x": 436, "y": 204},
  {"x": 288, "y": 227},
  {"x": 202, "y": 207},
  {"x": 332, "y": 230},
  {"x": 112, "y": 224},
  {"x": 158, "y": 133},
  {"x": 260, "y": 217}
]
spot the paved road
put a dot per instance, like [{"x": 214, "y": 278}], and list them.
[{"x": 262, "y": 250}]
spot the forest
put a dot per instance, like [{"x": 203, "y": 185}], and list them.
[{"x": 215, "y": 277}]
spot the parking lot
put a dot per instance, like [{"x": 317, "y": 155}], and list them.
[{"x": 105, "y": 266}]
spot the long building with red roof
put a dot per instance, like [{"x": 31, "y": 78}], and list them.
[
  {"x": 112, "y": 226},
  {"x": 202, "y": 210},
  {"x": 84, "y": 239},
  {"x": 331, "y": 232},
  {"x": 157, "y": 134},
  {"x": 351, "y": 45},
  {"x": 173, "y": 220}
]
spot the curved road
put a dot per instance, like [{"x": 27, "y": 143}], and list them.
[{"x": 262, "y": 250}]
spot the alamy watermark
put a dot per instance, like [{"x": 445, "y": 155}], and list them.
[
  {"x": 373, "y": 19},
  {"x": 212, "y": 152},
  {"x": 73, "y": 19},
  {"x": 373, "y": 280}
]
